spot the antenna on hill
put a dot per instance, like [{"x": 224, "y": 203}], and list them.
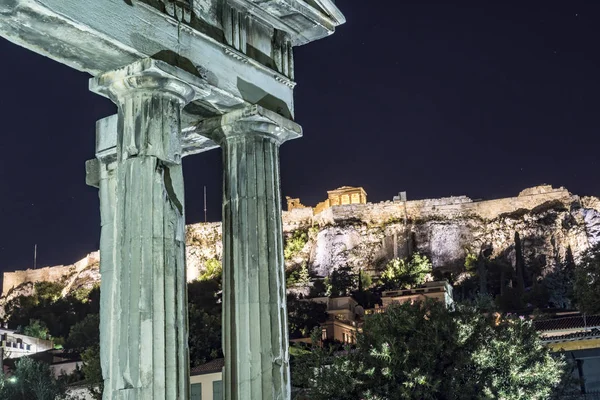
[
  {"x": 205, "y": 204},
  {"x": 34, "y": 256}
]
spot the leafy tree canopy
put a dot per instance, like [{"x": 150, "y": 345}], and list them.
[
  {"x": 93, "y": 371},
  {"x": 341, "y": 282},
  {"x": 402, "y": 273},
  {"x": 84, "y": 334},
  {"x": 587, "y": 281},
  {"x": 425, "y": 351},
  {"x": 295, "y": 243},
  {"x": 37, "y": 329},
  {"x": 31, "y": 380},
  {"x": 213, "y": 270},
  {"x": 304, "y": 315}
]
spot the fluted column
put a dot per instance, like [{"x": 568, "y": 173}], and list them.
[
  {"x": 143, "y": 324},
  {"x": 255, "y": 336}
]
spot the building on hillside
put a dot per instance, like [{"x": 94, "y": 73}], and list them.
[
  {"x": 578, "y": 337},
  {"x": 338, "y": 197},
  {"x": 15, "y": 345},
  {"x": 344, "y": 316},
  {"x": 207, "y": 381},
  {"x": 437, "y": 290},
  {"x": 341, "y": 197},
  {"x": 293, "y": 204}
]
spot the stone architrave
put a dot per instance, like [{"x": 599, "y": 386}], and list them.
[
  {"x": 144, "y": 341},
  {"x": 255, "y": 331}
]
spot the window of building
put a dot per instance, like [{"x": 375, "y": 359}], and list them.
[
  {"x": 196, "y": 392},
  {"x": 324, "y": 334},
  {"x": 217, "y": 390}
]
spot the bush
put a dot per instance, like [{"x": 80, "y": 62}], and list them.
[
  {"x": 425, "y": 351},
  {"x": 36, "y": 329},
  {"x": 295, "y": 244},
  {"x": 400, "y": 273},
  {"x": 212, "y": 270}
]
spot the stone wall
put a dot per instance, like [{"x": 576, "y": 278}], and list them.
[
  {"x": 365, "y": 235},
  {"x": 47, "y": 274},
  {"x": 444, "y": 208}
]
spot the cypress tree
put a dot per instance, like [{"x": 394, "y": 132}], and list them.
[{"x": 519, "y": 264}]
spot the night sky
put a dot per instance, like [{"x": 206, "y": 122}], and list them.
[{"x": 427, "y": 97}]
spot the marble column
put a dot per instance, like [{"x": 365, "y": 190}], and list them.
[
  {"x": 255, "y": 332},
  {"x": 143, "y": 324}
]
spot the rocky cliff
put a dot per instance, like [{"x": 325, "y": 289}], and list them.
[{"x": 549, "y": 221}]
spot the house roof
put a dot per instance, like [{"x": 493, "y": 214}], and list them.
[
  {"x": 582, "y": 335},
  {"x": 209, "y": 368},
  {"x": 566, "y": 323}
]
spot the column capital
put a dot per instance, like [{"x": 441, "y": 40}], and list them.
[
  {"x": 152, "y": 76},
  {"x": 250, "y": 121}
]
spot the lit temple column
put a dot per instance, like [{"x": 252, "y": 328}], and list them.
[
  {"x": 255, "y": 337},
  {"x": 100, "y": 173},
  {"x": 143, "y": 328}
]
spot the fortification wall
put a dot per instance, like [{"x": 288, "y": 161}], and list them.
[
  {"x": 46, "y": 274},
  {"x": 444, "y": 208},
  {"x": 204, "y": 240}
]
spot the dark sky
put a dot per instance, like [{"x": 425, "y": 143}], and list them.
[{"x": 433, "y": 98}]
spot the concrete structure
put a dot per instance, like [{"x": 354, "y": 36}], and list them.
[
  {"x": 344, "y": 318},
  {"x": 330, "y": 210},
  {"x": 578, "y": 336},
  {"x": 15, "y": 345},
  {"x": 229, "y": 63},
  {"x": 438, "y": 290},
  {"x": 341, "y": 196},
  {"x": 207, "y": 381}
]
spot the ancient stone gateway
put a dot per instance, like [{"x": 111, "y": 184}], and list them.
[{"x": 187, "y": 76}]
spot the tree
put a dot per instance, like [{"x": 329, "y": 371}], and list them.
[
  {"x": 559, "y": 283},
  {"x": 425, "y": 351},
  {"x": 204, "y": 313},
  {"x": 212, "y": 270},
  {"x": 92, "y": 371},
  {"x": 304, "y": 315},
  {"x": 31, "y": 380},
  {"x": 204, "y": 335},
  {"x": 36, "y": 329},
  {"x": 297, "y": 276},
  {"x": 364, "y": 281},
  {"x": 519, "y": 264},
  {"x": 342, "y": 281},
  {"x": 295, "y": 243},
  {"x": 401, "y": 273},
  {"x": 587, "y": 281},
  {"x": 49, "y": 291},
  {"x": 84, "y": 334}
]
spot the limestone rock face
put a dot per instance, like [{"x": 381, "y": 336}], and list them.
[
  {"x": 203, "y": 243},
  {"x": 549, "y": 221},
  {"x": 331, "y": 246}
]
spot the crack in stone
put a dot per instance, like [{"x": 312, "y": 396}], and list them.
[{"x": 170, "y": 190}]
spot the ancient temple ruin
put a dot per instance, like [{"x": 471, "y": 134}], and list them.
[{"x": 187, "y": 76}]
